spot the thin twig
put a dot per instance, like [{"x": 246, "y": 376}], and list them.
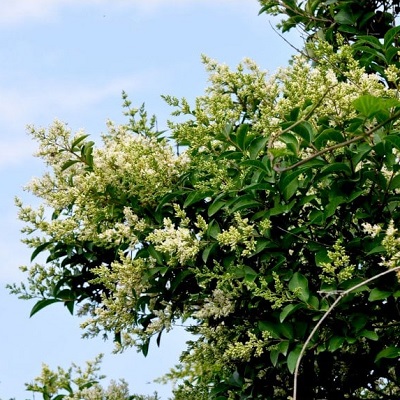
[
  {"x": 339, "y": 145},
  {"x": 334, "y": 304}
]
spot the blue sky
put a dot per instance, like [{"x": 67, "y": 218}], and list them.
[{"x": 71, "y": 59}]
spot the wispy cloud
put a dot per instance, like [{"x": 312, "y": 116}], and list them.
[{"x": 35, "y": 98}]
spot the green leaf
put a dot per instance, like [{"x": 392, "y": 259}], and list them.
[
  {"x": 179, "y": 278},
  {"x": 256, "y": 146},
  {"x": 215, "y": 206},
  {"x": 344, "y": 17},
  {"x": 241, "y": 135},
  {"x": 273, "y": 356},
  {"x": 395, "y": 183},
  {"x": 42, "y": 304},
  {"x": 289, "y": 184},
  {"x": 210, "y": 249},
  {"x": 288, "y": 310},
  {"x": 299, "y": 281},
  {"x": 336, "y": 167},
  {"x": 213, "y": 229},
  {"x": 254, "y": 163},
  {"x": 273, "y": 328},
  {"x": 369, "y": 105},
  {"x": 371, "y": 335},
  {"x": 249, "y": 274},
  {"x": 335, "y": 343},
  {"x": 196, "y": 196},
  {"x": 377, "y": 294},
  {"x": 78, "y": 140},
  {"x": 155, "y": 254},
  {"x": 391, "y": 37},
  {"x": 293, "y": 357},
  {"x": 388, "y": 352},
  {"x": 68, "y": 163},
  {"x": 244, "y": 202},
  {"x": 328, "y": 135},
  {"x": 305, "y": 130},
  {"x": 39, "y": 249},
  {"x": 394, "y": 140}
]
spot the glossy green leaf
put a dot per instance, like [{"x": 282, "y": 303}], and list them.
[
  {"x": 388, "y": 352},
  {"x": 328, "y": 135},
  {"x": 292, "y": 358},
  {"x": 215, "y": 206},
  {"x": 209, "y": 250},
  {"x": 344, "y": 17},
  {"x": 305, "y": 130},
  {"x": 274, "y": 356},
  {"x": 300, "y": 283},
  {"x": 40, "y": 249},
  {"x": 256, "y": 146},
  {"x": 254, "y": 163},
  {"x": 377, "y": 294},
  {"x": 289, "y": 184},
  {"x": 241, "y": 135},
  {"x": 68, "y": 164},
  {"x": 371, "y": 335},
  {"x": 244, "y": 202},
  {"x": 335, "y": 343},
  {"x": 196, "y": 196},
  {"x": 288, "y": 310},
  {"x": 42, "y": 304}
]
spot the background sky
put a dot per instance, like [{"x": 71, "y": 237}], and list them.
[{"x": 71, "y": 59}]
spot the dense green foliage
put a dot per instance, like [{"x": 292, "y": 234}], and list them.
[
  {"x": 325, "y": 19},
  {"x": 285, "y": 194}
]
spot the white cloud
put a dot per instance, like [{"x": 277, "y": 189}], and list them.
[
  {"x": 14, "y": 12},
  {"x": 22, "y": 105}
]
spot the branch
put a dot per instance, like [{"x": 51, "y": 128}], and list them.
[
  {"x": 339, "y": 145},
  {"x": 334, "y": 304}
]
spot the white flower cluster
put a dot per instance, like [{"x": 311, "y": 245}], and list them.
[
  {"x": 243, "y": 233},
  {"x": 179, "y": 242},
  {"x": 391, "y": 243},
  {"x": 218, "y": 306},
  {"x": 339, "y": 268}
]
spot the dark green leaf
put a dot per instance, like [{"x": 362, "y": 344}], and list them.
[
  {"x": 210, "y": 249},
  {"x": 196, "y": 196},
  {"x": 293, "y": 357},
  {"x": 391, "y": 37},
  {"x": 331, "y": 135},
  {"x": 335, "y": 343},
  {"x": 344, "y": 17},
  {"x": 256, "y": 146},
  {"x": 273, "y": 356},
  {"x": 42, "y": 304},
  {"x": 39, "y": 249},
  {"x": 254, "y": 163},
  {"x": 371, "y": 335},
  {"x": 68, "y": 163},
  {"x": 244, "y": 202},
  {"x": 300, "y": 283},
  {"x": 389, "y": 352},
  {"x": 288, "y": 310},
  {"x": 289, "y": 184},
  {"x": 305, "y": 130},
  {"x": 215, "y": 206},
  {"x": 241, "y": 135},
  {"x": 377, "y": 294}
]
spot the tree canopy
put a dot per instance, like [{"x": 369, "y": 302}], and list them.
[{"x": 283, "y": 197}]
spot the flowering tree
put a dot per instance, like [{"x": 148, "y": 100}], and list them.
[
  {"x": 76, "y": 383},
  {"x": 283, "y": 197}
]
